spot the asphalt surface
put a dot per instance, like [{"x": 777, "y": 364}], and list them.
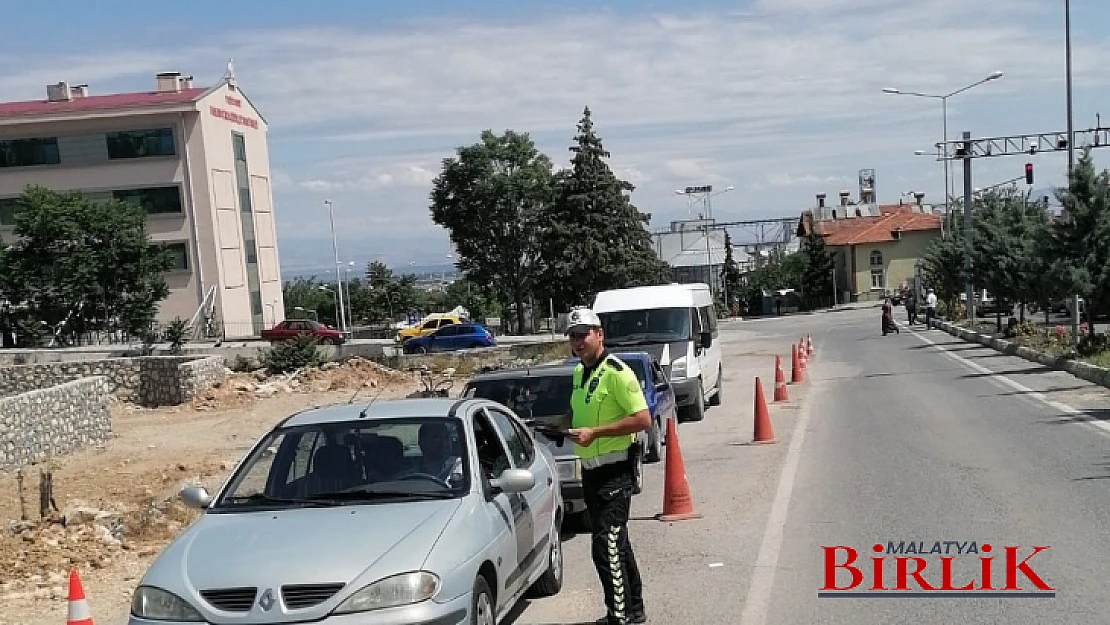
[{"x": 913, "y": 437}]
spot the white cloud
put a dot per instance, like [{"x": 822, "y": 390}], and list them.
[{"x": 782, "y": 101}]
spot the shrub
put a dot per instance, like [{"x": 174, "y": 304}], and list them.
[
  {"x": 176, "y": 334},
  {"x": 1091, "y": 345},
  {"x": 292, "y": 355}
]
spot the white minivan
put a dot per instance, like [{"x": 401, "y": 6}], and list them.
[{"x": 676, "y": 323}]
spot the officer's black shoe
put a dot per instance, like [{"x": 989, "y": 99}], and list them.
[{"x": 633, "y": 617}]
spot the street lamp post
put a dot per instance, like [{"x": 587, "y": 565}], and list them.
[
  {"x": 338, "y": 279},
  {"x": 350, "y": 304},
  {"x": 944, "y": 107},
  {"x": 1067, "y": 56}
]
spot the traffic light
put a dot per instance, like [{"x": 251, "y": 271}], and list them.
[{"x": 1029, "y": 173}]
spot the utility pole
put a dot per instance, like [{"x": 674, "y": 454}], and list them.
[
  {"x": 969, "y": 231},
  {"x": 338, "y": 279},
  {"x": 1071, "y": 126}
]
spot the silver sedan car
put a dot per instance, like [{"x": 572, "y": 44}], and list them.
[{"x": 411, "y": 511}]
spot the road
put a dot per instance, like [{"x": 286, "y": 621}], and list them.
[{"x": 910, "y": 437}]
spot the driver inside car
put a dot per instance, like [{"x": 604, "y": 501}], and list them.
[{"x": 438, "y": 456}]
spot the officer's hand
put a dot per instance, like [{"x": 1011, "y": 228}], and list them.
[{"x": 582, "y": 436}]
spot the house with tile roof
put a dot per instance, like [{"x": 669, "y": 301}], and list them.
[
  {"x": 195, "y": 158},
  {"x": 876, "y": 247}
]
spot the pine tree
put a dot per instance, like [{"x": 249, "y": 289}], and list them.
[
  {"x": 733, "y": 278},
  {"x": 1081, "y": 238},
  {"x": 817, "y": 278},
  {"x": 593, "y": 238}
]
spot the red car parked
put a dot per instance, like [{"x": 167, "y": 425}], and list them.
[{"x": 292, "y": 328}]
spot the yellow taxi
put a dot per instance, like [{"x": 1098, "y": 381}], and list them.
[{"x": 427, "y": 326}]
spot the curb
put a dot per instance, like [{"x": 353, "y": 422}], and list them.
[{"x": 1082, "y": 370}]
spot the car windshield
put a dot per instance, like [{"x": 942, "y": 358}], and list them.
[
  {"x": 530, "y": 397},
  {"x": 655, "y": 325},
  {"x": 369, "y": 461}
]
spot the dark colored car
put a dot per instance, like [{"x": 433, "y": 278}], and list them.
[
  {"x": 292, "y": 328},
  {"x": 660, "y": 396},
  {"x": 541, "y": 397},
  {"x": 450, "y": 338}
]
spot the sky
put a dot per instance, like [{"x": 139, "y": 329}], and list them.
[{"x": 778, "y": 99}]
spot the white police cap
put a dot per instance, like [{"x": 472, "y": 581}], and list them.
[{"x": 582, "y": 319}]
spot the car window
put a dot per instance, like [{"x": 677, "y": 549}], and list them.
[
  {"x": 529, "y": 397},
  {"x": 348, "y": 462},
  {"x": 448, "y": 331},
  {"x": 518, "y": 451},
  {"x": 493, "y": 458}
]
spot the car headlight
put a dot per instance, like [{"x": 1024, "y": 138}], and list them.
[
  {"x": 569, "y": 471},
  {"x": 160, "y": 605},
  {"x": 678, "y": 368},
  {"x": 391, "y": 592}
]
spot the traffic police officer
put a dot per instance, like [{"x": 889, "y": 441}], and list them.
[{"x": 608, "y": 409}]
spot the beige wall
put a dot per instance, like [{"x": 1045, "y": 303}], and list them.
[
  {"x": 899, "y": 258},
  {"x": 85, "y": 167},
  {"x": 223, "y": 227}
]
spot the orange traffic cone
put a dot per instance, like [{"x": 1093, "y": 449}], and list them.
[
  {"x": 802, "y": 354},
  {"x": 796, "y": 375},
  {"x": 780, "y": 382},
  {"x": 677, "y": 503},
  {"x": 79, "y": 613},
  {"x": 764, "y": 433},
  {"x": 809, "y": 344}
]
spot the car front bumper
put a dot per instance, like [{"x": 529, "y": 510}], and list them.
[{"x": 453, "y": 612}]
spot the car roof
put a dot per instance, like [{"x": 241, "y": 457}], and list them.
[
  {"x": 536, "y": 371},
  {"x": 379, "y": 410}
]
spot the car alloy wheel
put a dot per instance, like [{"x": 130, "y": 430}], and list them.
[{"x": 483, "y": 604}]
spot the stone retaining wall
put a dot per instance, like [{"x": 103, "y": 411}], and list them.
[
  {"x": 149, "y": 381},
  {"x": 52, "y": 421}
]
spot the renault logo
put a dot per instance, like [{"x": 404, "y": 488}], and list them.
[{"x": 267, "y": 601}]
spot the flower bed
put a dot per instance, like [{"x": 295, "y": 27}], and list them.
[{"x": 1053, "y": 348}]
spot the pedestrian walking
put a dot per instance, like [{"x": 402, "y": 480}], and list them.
[
  {"x": 608, "y": 408},
  {"x": 911, "y": 307},
  {"x": 888, "y": 318},
  {"x": 930, "y": 308}
]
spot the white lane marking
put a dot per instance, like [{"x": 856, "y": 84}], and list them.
[
  {"x": 1101, "y": 426},
  {"x": 757, "y": 603}
]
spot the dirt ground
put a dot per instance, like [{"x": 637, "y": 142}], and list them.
[{"x": 117, "y": 506}]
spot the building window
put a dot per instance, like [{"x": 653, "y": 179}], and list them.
[
  {"x": 155, "y": 200},
  {"x": 876, "y": 259},
  {"x": 878, "y": 279},
  {"x": 28, "y": 152},
  {"x": 140, "y": 143},
  {"x": 179, "y": 251},
  {"x": 8, "y": 208}
]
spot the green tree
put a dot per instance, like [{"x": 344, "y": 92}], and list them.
[
  {"x": 81, "y": 265},
  {"x": 307, "y": 294},
  {"x": 816, "y": 275},
  {"x": 944, "y": 267},
  {"x": 593, "y": 238},
  {"x": 488, "y": 198},
  {"x": 1080, "y": 239},
  {"x": 390, "y": 296},
  {"x": 733, "y": 277}
]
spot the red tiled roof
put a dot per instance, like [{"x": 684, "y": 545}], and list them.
[
  {"x": 873, "y": 228},
  {"x": 100, "y": 102}
]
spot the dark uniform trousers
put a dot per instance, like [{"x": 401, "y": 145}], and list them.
[{"x": 608, "y": 494}]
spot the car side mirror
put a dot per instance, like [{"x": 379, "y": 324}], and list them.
[
  {"x": 706, "y": 339},
  {"x": 514, "y": 481},
  {"x": 196, "y": 497}
]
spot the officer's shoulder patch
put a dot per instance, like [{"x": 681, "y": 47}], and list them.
[{"x": 615, "y": 363}]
